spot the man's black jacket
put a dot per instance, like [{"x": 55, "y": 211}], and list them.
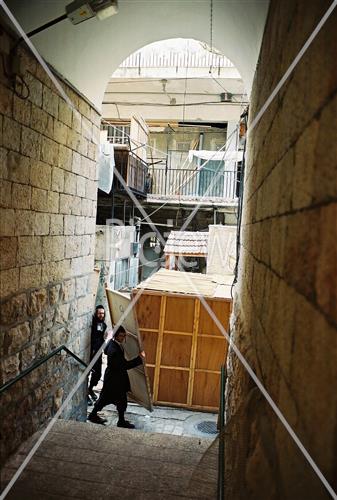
[
  {"x": 97, "y": 334},
  {"x": 116, "y": 379}
]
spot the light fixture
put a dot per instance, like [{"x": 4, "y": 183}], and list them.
[{"x": 79, "y": 10}]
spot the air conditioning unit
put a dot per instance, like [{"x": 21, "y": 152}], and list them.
[{"x": 226, "y": 97}]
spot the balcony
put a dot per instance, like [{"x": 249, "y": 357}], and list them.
[
  {"x": 132, "y": 169},
  {"x": 193, "y": 184}
]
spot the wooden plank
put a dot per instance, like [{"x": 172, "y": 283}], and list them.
[
  {"x": 172, "y": 332},
  {"x": 150, "y": 342},
  {"x": 176, "y": 350},
  {"x": 177, "y": 379},
  {"x": 159, "y": 347},
  {"x": 148, "y": 309},
  {"x": 194, "y": 350},
  {"x": 206, "y": 389},
  {"x": 221, "y": 309},
  {"x": 175, "y": 368},
  {"x": 205, "y": 371},
  {"x": 139, "y": 380},
  {"x": 150, "y": 373},
  {"x": 211, "y": 353},
  {"x": 192, "y": 407},
  {"x": 179, "y": 314}
]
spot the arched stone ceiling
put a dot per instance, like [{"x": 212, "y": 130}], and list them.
[{"x": 88, "y": 53}]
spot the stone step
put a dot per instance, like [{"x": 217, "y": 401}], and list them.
[{"x": 84, "y": 460}]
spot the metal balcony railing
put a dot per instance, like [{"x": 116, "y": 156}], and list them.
[{"x": 193, "y": 183}]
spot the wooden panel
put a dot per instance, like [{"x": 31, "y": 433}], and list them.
[
  {"x": 148, "y": 308},
  {"x": 150, "y": 374},
  {"x": 159, "y": 346},
  {"x": 222, "y": 311},
  {"x": 176, "y": 350},
  {"x": 179, "y": 314},
  {"x": 206, "y": 390},
  {"x": 173, "y": 385},
  {"x": 211, "y": 353},
  {"x": 150, "y": 340},
  {"x": 193, "y": 350}
]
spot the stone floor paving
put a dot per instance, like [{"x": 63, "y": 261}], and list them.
[{"x": 175, "y": 421}]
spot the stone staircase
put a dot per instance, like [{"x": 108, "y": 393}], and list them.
[{"x": 87, "y": 461}]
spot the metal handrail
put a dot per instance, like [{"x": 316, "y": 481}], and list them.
[
  {"x": 221, "y": 457},
  {"x": 38, "y": 363}
]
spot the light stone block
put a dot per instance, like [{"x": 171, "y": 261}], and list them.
[
  {"x": 66, "y": 204},
  {"x": 49, "y": 151},
  {"x": 21, "y": 110},
  {"x": 7, "y": 225},
  {"x": 69, "y": 225},
  {"x": 39, "y": 200},
  {"x": 41, "y": 223},
  {"x": 50, "y": 102},
  {"x": 18, "y": 167},
  {"x": 65, "y": 158},
  {"x": 30, "y": 143},
  {"x": 56, "y": 225},
  {"x": 40, "y": 175},
  {"x": 29, "y": 250},
  {"x": 30, "y": 276},
  {"x": 70, "y": 183},
  {"x": 53, "y": 248},
  {"x": 35, "y": 89},
  {"x": 21, "y": 196},
  {"x": 65, "y": 113},
  {"x": 60, "y": 132},
  {"x": 24, "y": 223},
  {"x": 6, "y": 194},
  {"x": 8, "y": 249},
  {"x": 53, "y": 202},
  {"x": 42, "y": 122},
  {"x": 11, "y": 134},
  {"x": 57, "y": 183}
]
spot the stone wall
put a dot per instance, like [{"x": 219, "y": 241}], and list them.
[
  {"x": 48, "y": 199},
  {"x": 285, "y": 315}
]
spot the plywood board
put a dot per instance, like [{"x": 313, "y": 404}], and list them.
[
  {"x": 211, "y": 353},
  {"x": 148, "y": 309},
  {"x": 118, "y": 305},
  {"x": 150, "y": 341},
  {"x": 179, "y": 314},
  {"x": 179, "y": 282},
  {"x": 206, "y": 391},
  {"x": 221, "y": 309},
  {"x": 184, "y": 347},
  {"x": 177, "y": 379},
  {"x": 176, "y": 350}
]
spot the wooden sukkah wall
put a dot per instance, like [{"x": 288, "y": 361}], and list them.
[{"x": 184, "y": 347}]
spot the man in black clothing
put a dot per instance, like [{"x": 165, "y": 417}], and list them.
[
  {"x": 98, "y": 336},
  {"x": 116, "y": 380}
]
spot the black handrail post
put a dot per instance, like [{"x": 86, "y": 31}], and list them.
[{"x": 221, "y": 457}]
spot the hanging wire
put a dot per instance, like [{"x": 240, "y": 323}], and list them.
[{"x": 211, "y": 28}]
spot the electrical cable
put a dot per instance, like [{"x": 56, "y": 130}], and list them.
[{"x": 162, "y": 104}]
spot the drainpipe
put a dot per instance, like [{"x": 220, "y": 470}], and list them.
[{"x": 201, "y": 145}]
